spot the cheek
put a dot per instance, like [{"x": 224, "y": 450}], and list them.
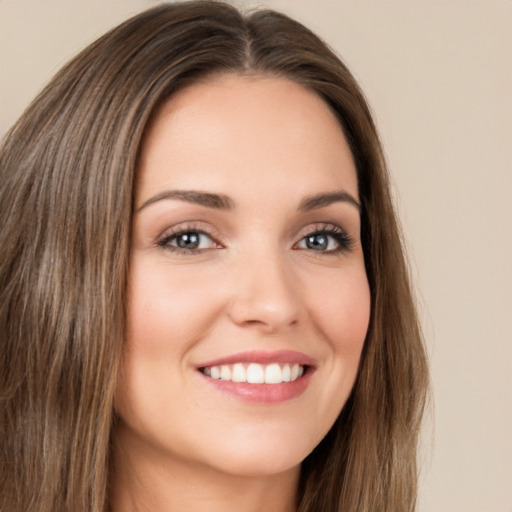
[
  {"x": 168, "y": 311},
  {"x": 168, "y": 308},
  {"x": 339, "y": 307},
  {"x": 343, "y": 313}
]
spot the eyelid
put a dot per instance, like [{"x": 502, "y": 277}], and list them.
[
  {"x": 187, "y": 227},
  {"x": 344, "y": 240}
]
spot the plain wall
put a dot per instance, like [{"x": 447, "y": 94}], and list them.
[{"x": 438, "y": 76}]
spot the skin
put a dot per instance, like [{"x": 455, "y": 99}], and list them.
[{"x": 254, "y": 284}]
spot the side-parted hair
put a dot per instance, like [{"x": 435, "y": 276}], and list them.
[{"x": 67, "y": 177}]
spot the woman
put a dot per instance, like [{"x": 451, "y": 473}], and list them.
[{"x": 205, "y": 299}]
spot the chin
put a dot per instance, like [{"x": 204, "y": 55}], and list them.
[
  {"x": 260, "y": 454},
  {"x": 259, "y": 463}
]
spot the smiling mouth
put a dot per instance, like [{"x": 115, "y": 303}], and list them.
[
  {"x": 255, "y": 373},
  {"x": 264, "y": 377}
]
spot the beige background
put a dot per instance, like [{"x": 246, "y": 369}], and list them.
[{"x": 438, "y": 76}]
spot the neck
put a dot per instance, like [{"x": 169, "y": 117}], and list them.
[{"x": 159, "y": 483}]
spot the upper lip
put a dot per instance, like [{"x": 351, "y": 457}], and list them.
[{"x": 262, "y": 357}]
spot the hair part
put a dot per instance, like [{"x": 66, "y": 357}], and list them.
[{"x": 67, "y": 177}]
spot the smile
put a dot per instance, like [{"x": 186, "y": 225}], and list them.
[
  {"x": 255, "y": 373},
  {"x": 260, "y": 376}
]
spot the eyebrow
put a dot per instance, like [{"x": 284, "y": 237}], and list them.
[
  {"x": 223, "y": 202},
  {"x": 322, "y": 200},
  {"x": 217, "y": 201}
]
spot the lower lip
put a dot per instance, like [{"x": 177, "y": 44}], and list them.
[{"x": 262, "y": 393}]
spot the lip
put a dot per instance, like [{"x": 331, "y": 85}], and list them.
[
  {"x": 262, "y": 393},
  {"x": 262, "y": 357}
]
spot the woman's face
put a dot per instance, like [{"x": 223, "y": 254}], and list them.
[{"x": 248, "y": 299}]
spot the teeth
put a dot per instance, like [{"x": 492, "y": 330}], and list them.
[
  {"x": 238, "y": 374},
  {"x": 287, "y": 374},
  {"x": 273, "y": 374},
  {"x": 255, "y": 373},
  {"x": 225, "y": 372}
]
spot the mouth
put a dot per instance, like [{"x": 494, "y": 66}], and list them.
[
  {"x": 266, "y": 377},
  {"x": 255, "y": 373}
]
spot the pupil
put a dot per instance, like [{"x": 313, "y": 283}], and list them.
[
  {"x": 188, "y": 241},
  {"x": 317, "y": 242}
]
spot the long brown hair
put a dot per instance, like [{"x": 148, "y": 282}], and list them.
[{"x": 67, "y": 172}]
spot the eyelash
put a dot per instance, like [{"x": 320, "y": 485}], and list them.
[
  {"x": 164, "y": 242},
  {"x": 343, "y": 240}
]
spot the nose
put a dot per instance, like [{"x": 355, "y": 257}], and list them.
[{"x": 264, "y": 295}]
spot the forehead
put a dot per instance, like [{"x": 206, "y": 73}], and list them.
[{"x": 258, "y": 130}]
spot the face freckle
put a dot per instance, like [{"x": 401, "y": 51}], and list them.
[{"x": 246, "y": 260}]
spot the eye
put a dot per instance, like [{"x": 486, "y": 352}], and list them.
[
  {"x": 330, "y": 240},
  {"x": 188, "y": 241}
]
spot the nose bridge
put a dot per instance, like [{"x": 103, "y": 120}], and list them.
[{"x": 264, "y": 290}]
